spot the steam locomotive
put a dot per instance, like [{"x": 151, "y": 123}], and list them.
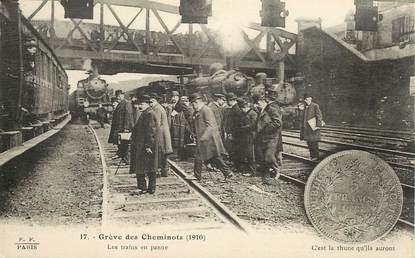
[
  {"x": 33, "y": 84},
  {"x": 222, "y": 81},
  {"x": 90, "y": 93}
]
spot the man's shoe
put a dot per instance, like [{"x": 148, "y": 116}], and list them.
[
  {"x": 152, "y": 191},
  {"x": 228, "y": 176}
]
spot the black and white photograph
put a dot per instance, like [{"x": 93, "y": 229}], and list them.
[{"x": 207, "y": 128}]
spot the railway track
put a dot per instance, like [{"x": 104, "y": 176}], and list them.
[
  {"x": 401, "y": 161},
  {"x": 178, "y": 200},
  {"x": 364, "y": 138},
  {"x": 296, "y": 169},
  {"x": 406, "y": 135}
]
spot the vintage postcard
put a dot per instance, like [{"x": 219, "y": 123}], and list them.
[{"x": 207, "y": 128}]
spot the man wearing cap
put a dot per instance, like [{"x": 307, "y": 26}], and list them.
[
  {"x": 145, "y": 147},
  {"x": 259, "y": 89},
  {"x": 268, "y": 142},
  {"x": 209, "y": 143},
  {"x": 122, "y": 122},
  {"x": 177, "y": 122},
  {"x": 245, "y": 135},
  {"x": 312, "y": 121},
  {"x": 231, "y": 124},
  {"x": 165, "y": 139},
  {"x": 217, "y": 107}
]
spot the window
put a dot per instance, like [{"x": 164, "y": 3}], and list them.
[{"x": 403, "y": 29}]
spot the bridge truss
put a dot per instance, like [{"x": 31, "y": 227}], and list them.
[{"x": 119, "y": 48}]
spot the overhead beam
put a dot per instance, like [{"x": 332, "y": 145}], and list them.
[
  {"x": 143, "y": 4},
  {"x": 168, "y": 32},
  {"x": 282, "y": 33},
  {"x": 125, "y": 29},
  {"x": 38, "y": 9}
]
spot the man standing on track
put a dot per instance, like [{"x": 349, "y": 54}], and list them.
[
  {"x": 164, "y": 134},
  {"x": 122, "y": 122},
  {"x": 268, "y": 143},
  {"x": 232, "y": 125},
  {"x": 101, "y": 115},
  {"x": 311, "y": 122},
  {"x": 209, "y": 143},
  {"x": 145, "y": 147}
]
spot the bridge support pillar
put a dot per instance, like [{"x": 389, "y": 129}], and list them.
[{"x": 280, "y": 71}]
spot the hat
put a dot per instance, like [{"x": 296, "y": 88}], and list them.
[
  {"x": 241, "y": 102},
  {"x": 153, "y": 96},
  {"x": 306, "y": 95},
  {"x": 30, "y": 43},
  {"x": 218, "y": 96},
  {"x": 175, "y": 93},
  {"x": 118, "y": 92},
  {"x": 261, "y": 75},
  {"x": 194, "y": 97},
  {"x": 230, "y": 96},
  {"x": 144, "y": 98}
]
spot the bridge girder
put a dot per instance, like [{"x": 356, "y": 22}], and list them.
[{"x": 102, "y": 50}]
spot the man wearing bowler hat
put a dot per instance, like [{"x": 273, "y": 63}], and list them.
[
  {"x": 209, "y": 143},
  {"x": 268, "y": 141},
  {"x": 312, "y": 121},
  {"x": 122, "y": 122},
  {"x": 145, "y": 147}
]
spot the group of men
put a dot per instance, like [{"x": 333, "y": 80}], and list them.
[{"x": 247, "y": 130}]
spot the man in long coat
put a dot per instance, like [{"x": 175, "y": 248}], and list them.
[
  {"x": 165, "y": 138},
  {"x": 209, "y": 143},
  {"x": 122, "y": 121},
  {"x": 145, "y": 147},
  {"x": 217, "y": 108},
  {"x": 181, "y": 126},
  {"x": 268, "y": 142},
  {"x": 311, "y": 115},
  {"x": 245, "y": 134},
  {"x": 232, "y": 124}
]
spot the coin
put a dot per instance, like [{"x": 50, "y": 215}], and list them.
[{"x": 353, "y": 197}]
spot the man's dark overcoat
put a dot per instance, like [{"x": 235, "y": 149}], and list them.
[
  {"x": 145, "y": 135},
  {"x": 306, "y": 133},
  {"x": 268, "y": 142},
  {"x": 165, "y": 137},
  {"x": 122, "y": 119},
  {"x": 209, "y": 142}
]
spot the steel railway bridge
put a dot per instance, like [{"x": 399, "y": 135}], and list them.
[{"x": 114, "y": 49}]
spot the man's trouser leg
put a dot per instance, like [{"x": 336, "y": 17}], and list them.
[
  {"x": 152, "y": 182},
  {"x": 313, "y": 148},
  {"x": 198, "y": 166},
  {"x": 164, "y": 166},
  {"x": 141, "y": 182}
]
